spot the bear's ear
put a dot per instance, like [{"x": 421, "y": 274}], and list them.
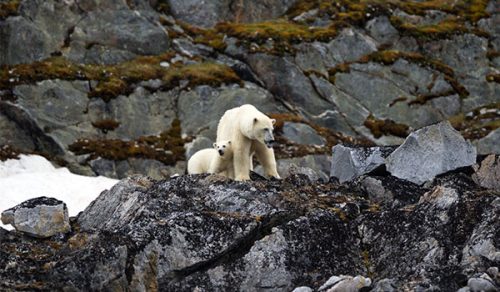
[
  {"x": 215, "y": 145},
  {"x": 255, "y": 120},
  {"x": 273, "y": 121}
]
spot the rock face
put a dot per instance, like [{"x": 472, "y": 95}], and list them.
[
  {"x": 39, "y": 217},
  {"x": 488, "y": 175},
  {"x": 430, "y": 151},
  {"x": 350, "y": 163},
  {"x": 204, "y": 232}
]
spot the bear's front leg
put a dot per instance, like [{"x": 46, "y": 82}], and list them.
[
  {"x": 241, "y": 163},
  {"x": 266, "y": 158}
]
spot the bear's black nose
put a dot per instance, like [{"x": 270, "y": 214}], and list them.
[{"x": 221, "y": 152}]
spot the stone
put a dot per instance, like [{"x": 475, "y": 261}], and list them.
[
  {"x": 430, "y": 151},
  {"x": 481, "y": 285},
  {"x": 345, "y": 283},
  {"x": 302, "y": 289},
  {"x": 200, "y": 142},
  {"x": 313, "y": 166},
  {"x": 39, "y": 217},
  {"x": 124, "y": 30},
  {"x": 350, "y": 163},
  {"x": 302, "y": 134},
  {"x": 488, "y": 175},
  {"x": 287, "y": 82},
  {"x": 350, "y": 45},
  {"x": 376, "y": 191},
  {"x": 489, "y": 144},
  {"x": 207, "y": 14},
  {"x": 381, "y": 29},
  {"x": 385, "y": 285}
]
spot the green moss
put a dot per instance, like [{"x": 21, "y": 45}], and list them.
[
  {"x": 106, "y": 125},
  {"x": 386, "y": 127},
  {"x": 9, "y": 8},
  {"x": 168, "y": 147},
  {"x": 208, "y": 73},
  {"x": 118, "y": 79},
  {"x": 209, "y": 37}
]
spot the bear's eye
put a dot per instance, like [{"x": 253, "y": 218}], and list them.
[{"x": 224, "y": 146}]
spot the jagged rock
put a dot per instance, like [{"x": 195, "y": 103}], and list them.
[
  {"x": 430, "y": 151},
  {"x": 287, "y": 82},
  {"x": 302, "y": 134},
  {"x": 377, "y": 193},
  {"x": 385, "y": 285},
  {"x": 200, "y": 142},
  {"x": 314, "y": 166},
  {"x": 381, "y": 29},
  {"x": 123, "y": 31},
  {"x": 489, "y": 144},
  {"x": 349, "y": 163},
  {"x": 488, "y": 175},
  {"x": 207, "y": 14},
  {"x": 482, "y": 284},
  {"x": 350, "y": 45},
  {"x": 39, "y": 217},
  {"x": 345, "y": 283}
]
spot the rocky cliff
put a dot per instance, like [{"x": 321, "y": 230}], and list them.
[{"x": 123, "y": 87}]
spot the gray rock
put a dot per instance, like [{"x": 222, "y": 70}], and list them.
[
  {"x": 302, "y": 134},
  {"x": 381, "y": 29},
  {"x": 350, "y": 46},
  {"x": 302, "y": 289},
  {"x": 440, "y": 197},
  {"x": 39, "y": 217},
  {"x": 134, "y": 166},
  {"x": 377, "y": 193},
  {"x": 313, "y": 57},
  {"x": 141, "y": 113},
  {"x": 200, "y": 109},
  {"x": 207, "y": 14},
  {"x": 314, "y": 166},
  {"x": 345, "y": 283},
  {"x": 15, "y": 33},
  {"x": 13, "y": 135},
  {"x": 447, "y": 105},
  {"x": 430, "y": 151},
  {"x": 123, "y": 30},
  {"x": 481, "y": 285},
  {"x": 349, "y": 163},
  {"x": 385, "y": 285},
  {"x": 287, "y": 82},
  {"x": 489, "y": 144},
  {"x": 488, "y": 175}
]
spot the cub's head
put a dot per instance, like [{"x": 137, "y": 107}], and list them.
[
  {"x": 263, "y": 130},
  {"x": 223, "y": 148}
]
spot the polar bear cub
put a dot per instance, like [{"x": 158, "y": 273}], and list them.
[{"x": 212, "y": 160}]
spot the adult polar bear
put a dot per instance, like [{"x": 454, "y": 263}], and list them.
[{"x": 250, "y": 132}]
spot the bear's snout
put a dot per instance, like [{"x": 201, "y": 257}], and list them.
[
  {"x": 270, "y": 143},
  {"x": 221, "y": 152}
]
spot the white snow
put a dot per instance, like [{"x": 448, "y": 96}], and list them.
[{"x": 33, "y": 176}]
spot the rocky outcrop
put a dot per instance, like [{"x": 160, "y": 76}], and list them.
[
  {"x": 39, "y": 217},
  {"x": 430, "y": 151},
  {"x": 205, "y": 232}
]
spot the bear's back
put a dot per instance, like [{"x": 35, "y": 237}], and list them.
[{"x": 200, "y": 161}]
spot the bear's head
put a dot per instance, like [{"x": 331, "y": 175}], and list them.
[
  {"x": 223, "y": 148},
  {"x": 263, "y": 130}
]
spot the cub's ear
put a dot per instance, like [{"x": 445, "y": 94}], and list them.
[
  {"x": 273, "y": 121},
  {"x": 215, "y": 145},
  {"x": 255, "y": 120}
]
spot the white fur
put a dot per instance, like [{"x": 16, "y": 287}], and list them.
[
  {"x": 210, "y": 161},
  {"x": 243, "y": 126}
]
